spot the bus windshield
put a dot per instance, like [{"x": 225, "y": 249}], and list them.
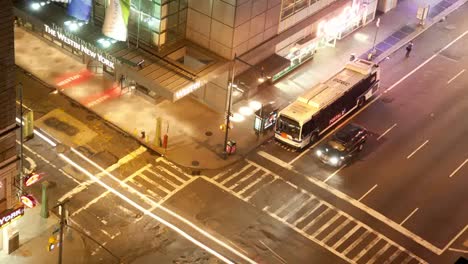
[{"x": 288, "y": 126}]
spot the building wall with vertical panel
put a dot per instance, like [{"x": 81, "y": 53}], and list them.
[{"x": 8, "y": 152}]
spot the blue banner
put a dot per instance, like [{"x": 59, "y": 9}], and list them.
[{"x": 80, "y": 9}]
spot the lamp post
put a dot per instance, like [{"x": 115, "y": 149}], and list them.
[
  {"x": 21, "y": 161},
  {"x": 377, "y": 24},
  {"x": 229, "y": 103}
]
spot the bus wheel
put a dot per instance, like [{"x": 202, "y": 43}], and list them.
[
  {"x": 313, "y": 138},
  {"x": 361, "y": 102}
]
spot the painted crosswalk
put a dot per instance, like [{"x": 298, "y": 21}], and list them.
[
  {"x": 315, "y": 219},
  {"x": 150, "y": 185}
]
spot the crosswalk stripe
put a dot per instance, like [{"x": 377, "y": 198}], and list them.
[
  {"x": 346, "y": 236},
  {"x": 379, "y": 253},
  {"x": 257, "y": 190},
  {"x": 171, "y": 174},
  {"x": 166, "y": 180},
  {"x": 244, "y": 178},
  {"x": 285, "y": 205},
  {"x": 155, "y": 183},
  {"x": 329, "y": 222},
  {"x": 316, "y": 219},
  {"x": 221, "y": 174},
  {"x": 295, "y": 210},
  {"x": 252, "y": 184},
  {"x": 393, "y": 256},
  {"x": 336, "y": 230},
  {"x": 307, "y": 214},
  {"x": 235, "y": 174},
  {"x": 356, "y": 242},
  {"x": 407, "y": 259},
  {"x": 367, "y": 248},
  {"x": 172, "y": 165}
]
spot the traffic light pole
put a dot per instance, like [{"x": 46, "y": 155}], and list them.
[
  {"x": 21, "y": 161},
  {"x": 229, "y": 103},
  {"x": 61, "y": 207}
]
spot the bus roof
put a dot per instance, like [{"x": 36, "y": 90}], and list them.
[{"x": 322, "y": 94}]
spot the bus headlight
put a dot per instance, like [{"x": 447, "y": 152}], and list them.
[
  {"x": 319, "y": 153},
  {"x": 334, "y": 160}
]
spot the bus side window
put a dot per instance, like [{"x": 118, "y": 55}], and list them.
[{"x": 307, "y": 128}]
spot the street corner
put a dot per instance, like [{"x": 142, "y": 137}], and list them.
[{"x": 65, "y": 128}]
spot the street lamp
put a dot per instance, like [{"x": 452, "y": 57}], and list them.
[{"x": 232, "y": 85}]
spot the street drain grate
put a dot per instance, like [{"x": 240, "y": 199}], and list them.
[
  {"x": 195, "y": 163},
  {"x": 208, "y": 133}
]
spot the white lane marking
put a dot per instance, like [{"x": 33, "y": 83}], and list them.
[
  {"x": 428, "y": 60},
  {"x": 274, "y": 253},
  {"x": 171, "y": 174},
  {"x": 379, "y": 95},
  {"x": 154, "y": 216},
  {"x": 257, "y": 190},
  {"x": 406, "y": 260},
  {"x": 336, "y": 230},
  {"x": 356, "y": 242},
  {"x": 325, "y": 226},
  {"x": 295, "y": 210},
  {"x": 416, "y": 150},
  {"x": 125, "y": 159},
  {"x": 235, "y": 174},
  {"x": 346, "y": 236},
  {"x": 367, "y": 248},
  {"x": 252, "y": 183},
  {"x": 369, "y": 191},
  {"x": 454, "y": 77},
  {"x": 307, "y": 214},
  {"x": 51, "y": 164},
  {"x": 107, "y": 192},
  {"x": 274, "y": 159},
  {"x": 379, "y": 253},
  {"x": 162, "y": 178},
  {"x": 386, "y": 131},
  {"x": 311, "y": 238},
  {"x": 334, "y": 173},
  {"x": 248, "y": 176},
  {"x": 172, "y": 165},
  {"x": 393, "y": 256},
  {"x": 458, "y": 250},
  {"x": 287, "y": 204},
  {"x": 408, "y": 217},
  {"x": 316, "y": 219},
  {"x": 455, "y": 238},
  {"x": 457, "y": 169},
  {"x": 364, "y": 208}
]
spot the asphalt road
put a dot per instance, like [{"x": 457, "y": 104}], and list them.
[{"x": 413, "y": 173}]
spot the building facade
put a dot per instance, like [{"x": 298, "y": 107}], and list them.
[
  {"x": 177, "y": 48},
  {"x": 8, "y": 127}
]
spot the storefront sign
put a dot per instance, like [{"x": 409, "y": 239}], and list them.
[
  {"x": 81, "y": 45},
  {"x": 28, "y": 200},
  {"x": 186, "y": 90},
  {"x": 332, "y": 28},
  {"x": 8, "y": 217}
]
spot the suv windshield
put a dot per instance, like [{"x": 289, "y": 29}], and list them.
[{"x": 288, "y": 126}]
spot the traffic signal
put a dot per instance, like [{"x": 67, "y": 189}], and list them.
[
  {"x": 52, "y": 243},
  {"x": 222, "y": 127}
]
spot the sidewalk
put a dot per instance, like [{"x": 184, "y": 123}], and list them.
[
  {"x": 195, "y": 140},
  {"x": 34, "y": 232}
]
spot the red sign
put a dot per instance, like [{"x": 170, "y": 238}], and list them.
[
  {"x": 32, "y": 178},
  {"x": 28, "y": 200},
  {"x": 9, "y": 216}
]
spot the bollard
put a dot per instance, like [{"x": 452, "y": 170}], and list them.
[{"x": 44, "y": 205}]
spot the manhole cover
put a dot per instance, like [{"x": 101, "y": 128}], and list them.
[
  {"x": 208, "y": 133},
  {"x": 60, "y": 148},
  {"x": 387, "y": 100},
  {"x": 195, "y": 163}
]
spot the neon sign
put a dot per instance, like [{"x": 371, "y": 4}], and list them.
[
  {"x": 28, "y": 200},
  {"x": 32, "y": 178},
  {"x": 11, "y": 215},
  {"x": 333, "y": 27}
]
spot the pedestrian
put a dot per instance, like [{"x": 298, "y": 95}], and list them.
[
  {"x": 143, "y": 134},
  {"x": 409, "y": 48},
  {"x": 352, "y": 57}
]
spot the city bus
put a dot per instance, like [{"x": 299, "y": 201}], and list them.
[{"x": 316, "y": 111}]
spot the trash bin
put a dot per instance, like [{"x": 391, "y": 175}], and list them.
[{"x": 231, "y": 147}]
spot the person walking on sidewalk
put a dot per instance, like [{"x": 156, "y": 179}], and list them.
[{"x": 409, "y": 48}]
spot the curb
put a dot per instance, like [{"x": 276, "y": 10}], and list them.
[{"x": 419, "y": 31}]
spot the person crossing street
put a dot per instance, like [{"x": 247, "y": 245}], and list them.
[{"x": 409, "y": 47}]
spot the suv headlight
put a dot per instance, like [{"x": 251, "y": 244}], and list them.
[
  {"x": 334, "y": 160},
  {"x": 318, "y": 152}
]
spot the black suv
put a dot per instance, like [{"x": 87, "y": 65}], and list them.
[{"x": 342, "y": 146}]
